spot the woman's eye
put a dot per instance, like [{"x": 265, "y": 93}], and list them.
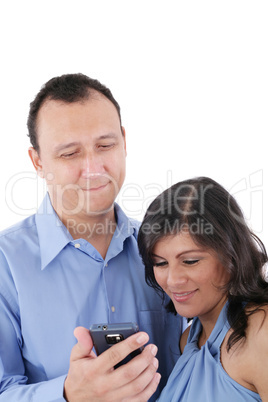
[
  {"x": 190, "y": 262},
  {"x": 160, "y": 264}
]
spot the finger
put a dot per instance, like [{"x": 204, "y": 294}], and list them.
[
  {"x": 129, "y": 372},
  {"x": 148, "y": 391},
  {"x": 143, "y": 386},
  {"x": 118, "y": 352},
  {"x": 84, "y": 345}
]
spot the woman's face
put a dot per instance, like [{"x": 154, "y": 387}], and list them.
[{"x": 191, "y": 275}]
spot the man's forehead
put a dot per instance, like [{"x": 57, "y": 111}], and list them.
[
  {"x": 53, "y": 109},
  {"x": 69, "y": 112},
  {"x": 93, "y": 96}
]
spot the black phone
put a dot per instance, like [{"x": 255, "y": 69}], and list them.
[{"x": 106, "y": 335}]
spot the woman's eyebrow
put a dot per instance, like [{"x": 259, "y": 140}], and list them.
[
  {"x": 181, "y": 253},
  {"x": 157, "y": 256}
]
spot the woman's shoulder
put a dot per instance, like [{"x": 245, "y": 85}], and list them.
[
  {"x": 255, "y": 341},
  {"x": 257, "y": 346},
  {"x": 257, "y": 330},
  {"x": 246, "y": 362}
]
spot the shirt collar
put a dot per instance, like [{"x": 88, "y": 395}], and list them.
[
  {"x": 54, "y": 236},
  {"x": 125, "y": 228}
]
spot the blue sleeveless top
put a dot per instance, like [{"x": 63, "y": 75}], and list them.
[{"x": 199, "y": 376}]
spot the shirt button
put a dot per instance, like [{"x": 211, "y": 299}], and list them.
[
  {"x": 77, "y": 245},
  {"x": 106, "y": 265},
  {"x": 113, "y": 309}
]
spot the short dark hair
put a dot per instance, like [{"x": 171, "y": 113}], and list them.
[
  {"x": 67, "y": 88},
  {"x": 214, "y": 220}
]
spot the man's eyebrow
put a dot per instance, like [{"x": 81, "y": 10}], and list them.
[
  {"x": 107, "y": 136},
  {"x": 60, "y": 147}
]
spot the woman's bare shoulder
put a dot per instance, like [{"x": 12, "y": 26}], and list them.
[
  {"x": 257, "y": 322},
  {"x": 257, "y": 335},
  {"x": 247, "y": 362}
]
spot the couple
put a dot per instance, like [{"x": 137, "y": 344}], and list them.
[{"x": 55, "y": 276}]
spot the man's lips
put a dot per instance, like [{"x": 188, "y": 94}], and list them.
[{"x": 95, "y": 187}]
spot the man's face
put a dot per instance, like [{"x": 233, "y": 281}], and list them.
[{"x": 82, "y": 155}]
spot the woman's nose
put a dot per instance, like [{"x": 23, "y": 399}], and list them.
[{"x": 176, "y": 276}]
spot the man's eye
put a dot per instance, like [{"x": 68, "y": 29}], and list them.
[
  {"x": 190, "y": 262},
  {"x": 106, "y": 146},
  {"x": 160, "y": 264},
  {"x": 69, "y": 155}
]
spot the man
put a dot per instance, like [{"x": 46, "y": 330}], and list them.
[{"x": 76, "y": 263}]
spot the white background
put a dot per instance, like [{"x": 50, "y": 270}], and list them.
[{"x": 191, "y": 78}]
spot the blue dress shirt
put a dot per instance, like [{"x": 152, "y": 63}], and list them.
[{"x": 51, "y": 283}]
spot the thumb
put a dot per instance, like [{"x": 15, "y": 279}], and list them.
[{"x": 83, "y": 348}]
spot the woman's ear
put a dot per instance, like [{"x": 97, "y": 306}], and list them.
[{"x": 36, "y": 161}]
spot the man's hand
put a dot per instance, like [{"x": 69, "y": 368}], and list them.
[{"x": 92, "y": 378}]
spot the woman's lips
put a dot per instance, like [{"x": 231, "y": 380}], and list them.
[{"x": 183, "y": 296}]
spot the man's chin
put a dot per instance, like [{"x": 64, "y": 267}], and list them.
[
  {"x": 86, "y": 209},
  {"x": 99, "y": 210}
]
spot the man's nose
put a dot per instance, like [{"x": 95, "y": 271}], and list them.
[{"x": 91, "y": 166}]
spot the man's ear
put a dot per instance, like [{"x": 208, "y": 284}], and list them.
[
  {"x": 36, "y": 161},
  {"x": 124, "y": 137}
]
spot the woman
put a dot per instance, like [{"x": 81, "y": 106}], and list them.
[{"x": 197, "y": 248}]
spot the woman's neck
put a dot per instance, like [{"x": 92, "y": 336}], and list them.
[{"x": 209, "y": 320}]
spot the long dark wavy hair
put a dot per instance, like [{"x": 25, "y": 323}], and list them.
[{"x": 214, "y": 220}]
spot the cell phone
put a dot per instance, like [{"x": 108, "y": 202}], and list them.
[{"x": 106, "y": 335}]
